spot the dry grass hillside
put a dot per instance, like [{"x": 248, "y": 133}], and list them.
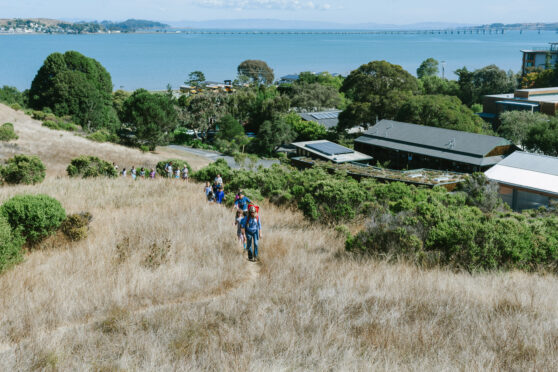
[{"x": 161, "y": 285}]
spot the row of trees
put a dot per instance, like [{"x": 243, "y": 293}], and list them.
[{"x": 72, "y": 85}]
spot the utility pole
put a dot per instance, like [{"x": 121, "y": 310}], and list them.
[{"x": 443, "y": 63}]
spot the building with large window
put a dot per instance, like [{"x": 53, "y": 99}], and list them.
[
  {"x": 539, "y": 58},
  {"x": 409, "y": 146},
  {"x": 526, "y": 181}
]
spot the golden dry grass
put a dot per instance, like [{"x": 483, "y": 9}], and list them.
[{"x": 160, "y": 284}]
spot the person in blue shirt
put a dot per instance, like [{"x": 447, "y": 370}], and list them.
[
  {"x": 252, "y": 231},
  {"x": 242, "y": 202},
  {"x": 220, "y": 195}
]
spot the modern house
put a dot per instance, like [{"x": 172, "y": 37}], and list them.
[
  {"x": 410, "y": 146},
  {"x": 544, "y": 100},
  {"x": 539, "y": 58},
  {"x": 330, "y": 151},
  {"x": 328, "y": 119},
  {"x": 525, "y": 180}
]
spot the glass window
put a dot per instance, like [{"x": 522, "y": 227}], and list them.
[{"x": 530, "y": 200}]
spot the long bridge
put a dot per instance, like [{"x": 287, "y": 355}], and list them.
[{"x": 457, "y": 31}]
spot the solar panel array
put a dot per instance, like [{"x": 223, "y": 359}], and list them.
[
  {"x": 329, "y": 148},
  {"x": 325, "y": 115}
]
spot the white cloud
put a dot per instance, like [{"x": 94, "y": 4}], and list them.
[{"x": 262, "y": 4}]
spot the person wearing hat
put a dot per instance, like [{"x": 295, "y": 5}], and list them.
[{"x": 252, "y": 231}]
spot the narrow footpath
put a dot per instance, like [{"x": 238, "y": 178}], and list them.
[{"x": 214, "y": 155}]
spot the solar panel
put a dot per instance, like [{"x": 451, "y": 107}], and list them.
[
  {"x": 325, "y": 115},
  {"x": 329, "y": 148}
]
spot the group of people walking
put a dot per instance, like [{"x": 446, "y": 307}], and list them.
[
  {"x": 247, "y": 219},
  {"x": 177, "y": 173}
]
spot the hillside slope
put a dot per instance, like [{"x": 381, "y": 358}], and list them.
[{"x": 160, "y": 284}]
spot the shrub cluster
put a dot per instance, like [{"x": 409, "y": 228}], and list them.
[
  {"x": 103, "y": 135},
  {"x": 7, "y": 132},
  {"x": 33, "y": 217},
  {"x": 10, "y": 246},
  {"x": 469, "y": 229},
  {"x": 90, "y": 166},
  {"x": 176, "y": 163},
  {"x": 23, "y": 169},
  {"x": 60, "y": 125},
  {"x": 76, "y": 226}
]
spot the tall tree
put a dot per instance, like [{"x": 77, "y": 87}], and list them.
[
  {"x": 377, "y": 90},
  {"x": 72, "y": 84},
  {"x": 204, "y": 110},
  {"x": 515, "y": 125},
  {"x": 542, "y": 137},
  {"x": 272, "y": 134},
  {"x": 195, "y": 78},
  {"x": 314, "y": 96},
  {"x": 428, "y": 67},
  {"x": 256, "y": 70},
  {"x": 150, "y": 116},
  {"x": 440, "y": 111}
]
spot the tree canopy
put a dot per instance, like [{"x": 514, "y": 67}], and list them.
[
  {"x": 542, "y": 136},
  {"x": 314, "y": 96},
  {"x": 428, "y": 67},
  {"x": 272, "y": 134},
  {"x": 255, "y": 70},
  {"x": 486, "y": 80},
  {"x": 73, "y": 84},
  {"x": 440, "y": 111},
  {"x": 150, "y": 116},
  {"x": 195, "y": 78},
  {"x": 515, "y": 125},
  {"x": 377, "y": 90}
]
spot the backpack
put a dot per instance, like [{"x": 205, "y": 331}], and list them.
[{"x": 255, "y": 206}]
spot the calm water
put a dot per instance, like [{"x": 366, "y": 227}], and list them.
[{"x": 152, "y": 61}]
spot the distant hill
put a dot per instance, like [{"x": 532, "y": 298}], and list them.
[
  {"x": 132, "y": 25},
  {"x": 522, "y": 26},
  {"x": 51, "y": 26}
]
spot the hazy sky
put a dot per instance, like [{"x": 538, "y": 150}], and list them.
[{"x": 343, "y": 11}]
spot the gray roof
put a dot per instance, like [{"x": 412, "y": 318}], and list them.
[
  {"x": 441, "y": 143},
  {"x": 532, "y": 162},
  {"x": 331, "y": 151},
  {"x": 436, "y": 138},
  {"x": 328, "y": 119}
]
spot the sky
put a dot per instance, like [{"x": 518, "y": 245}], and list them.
[{"x": 398, "y": 12}]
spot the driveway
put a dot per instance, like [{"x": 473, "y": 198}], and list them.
[{"x": 214, "y": 155}]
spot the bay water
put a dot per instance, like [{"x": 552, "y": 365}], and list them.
[{"x": 153, "y": 60}]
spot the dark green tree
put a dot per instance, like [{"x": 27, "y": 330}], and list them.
[
  {"x": 440, "y": 111},
  {"x": 272, "y": 134},
  {"x": 256, "y": 71},
  {"x": 75, "y": 85},
  {"x": 487, "y": 80},
  {"x": 437, "y": 85},
  {"x": 305, "y": 130},
  {"x": 195, "y": 78},
  {"x": 322, "y": 78},
  {"x": 314, "y": 96},
  {"x": 377, "y": 89},
  {"x": 543, "y": 137},
  {"x": 515, "y": 125},
  {"x": 428, "y": 67},
  {"x": 151, "y": 117},
  {"x": 203, "y": 110}
]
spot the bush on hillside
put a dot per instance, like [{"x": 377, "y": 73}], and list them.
[
  {"x": 34, "y": 217},
  {"x": 76, "y": 226},
  {"x": 60, "y": 125},
  {"x": 23, "y": 169},
  {"x": 211, "y": 171},
  {"x": 7, "y": 132},
  {"x": 102, "y": 135},
  {"x": 16, "y": 106},
  {"x": 10, "y": 246},
  {"x": 90, "y": 166},
  {"x": 176, "y": 163}
]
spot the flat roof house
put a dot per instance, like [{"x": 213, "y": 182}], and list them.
[
  {"x": 525, "y": 180},
  {"x": 326, "y": 150},
  {"x": 328, "y": 119},
  {"x": 544, "y": 100},
  {"x": 409, "y": 146},
  {"x": 537, "y": 57}
]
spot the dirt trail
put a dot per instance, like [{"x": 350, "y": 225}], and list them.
[{"x": 252, "y": 273}]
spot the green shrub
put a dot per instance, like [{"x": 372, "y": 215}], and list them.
[
  {"x": 211, "y": 171},
  {"x": 90, "y": 166},
  {"x": 144, "y": 148},
  {"x": 7, "y": 132},
  {"x": 176, "y": 163},
  {"x": 10, "y": 246},
  {"x": 39, "y": 115},
  {"x": 34, "y": 217},
  {"x": 76, "y": 226},
  {"x": 16, "y": 106},
  {"x": 23, "y": 169},
  {"x": 51, "y": 124},
  {"x": 103, "y": 135}
]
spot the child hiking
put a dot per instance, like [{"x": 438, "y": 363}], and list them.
[
  {"x": 238, "y": 223},
  {"x": 252, "y": 232},
  {"x": 242, "y": 202}
]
